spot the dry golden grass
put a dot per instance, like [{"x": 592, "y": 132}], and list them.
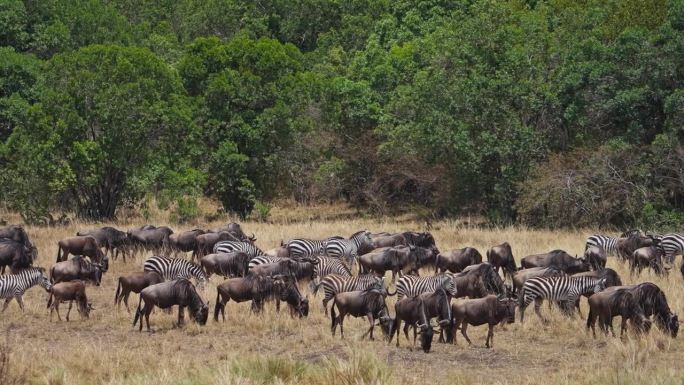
[{"x": 274, "y": 348}]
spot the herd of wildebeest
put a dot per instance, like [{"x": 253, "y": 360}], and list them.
[{"x": 456, "y": 288}]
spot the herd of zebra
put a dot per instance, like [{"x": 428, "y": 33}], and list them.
[{"x": 350, "y": 271}]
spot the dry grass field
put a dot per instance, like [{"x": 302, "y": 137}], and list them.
[{"x": 274, "y": 348}]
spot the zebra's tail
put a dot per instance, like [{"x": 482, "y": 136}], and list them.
[
  {"x": 138, "y": 312},
  {"x": 317, "y": 285}
]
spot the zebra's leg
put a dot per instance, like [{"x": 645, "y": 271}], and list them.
[
  {"x": 7, "y": 301},
  {"x": 68, "y": 310},
  {"x": 537, "y": 308}
]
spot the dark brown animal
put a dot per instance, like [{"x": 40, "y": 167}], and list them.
[
  {"x": 457, "y": 260},
  {"x": 654, "y": 303},
  {"x": 606, "y": 305},
  {"x": 255, "y": 288},
  {"x": 395, "y": 259},
  {"x": 17, "y": 234},
  {"x": 369, "y": 303},
  {"x": 501, "y": 256},
  {"x": 69, "y": 291},
  {"x": 290, "y": 294},
  {"x": 206, "y": 242},
  {"x": 134, "y": 282},
  {"x": 149, "y": 238},
  {"x": 236, "y": 230},
  {"x": 438, "y": 305},
  {"x": 412, "y": 311},
  {"x": 648, "y": 257},
  {"x": 111, "y": 239},
  {"x": 558, "y": 259},
  {"x": 76, "y": 268},
  {"x": 16, "y": 255},
  {"x": 488, "y": 310},
  {"x": 477, "y": 281},
  {"x": 179, "y": 292},
  {"x": 185, "y": 241},
  {"x": 595, "y": 257},
  {"x": 86, "y": 246},
  {"x": 626, "y": 246},
  {"x": 388, "y": 240},
  {"x": 232, "y": 264}
]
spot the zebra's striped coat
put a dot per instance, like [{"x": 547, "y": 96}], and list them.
[
  {"x": 15, "y": 285},
  {"x": 173, "y": 268},
  {"x": 333, "y": 284},
  {"x": 230, "y": 246},
  {"x": 673, "y": 245},
  {"x": 560, "y": 289},
  {"x": 412, "y": 285}
]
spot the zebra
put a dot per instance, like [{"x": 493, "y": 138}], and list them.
[
  {"x": 173, "y": 268},
  {"x": 246, "y": 247},
  {"x": 15, "y": 285},
  {"x": 262, "y": 260},
  {"x": 609, "y": 244},
  {"x": 302, "y": 248},
  {"x": 413, "y": 285},
  {"x": 673, "y": 245},
  {"x": 327, "y": 266},
  {"x": 334, "y": 284},
  {"x": 348, "y": 249},
  {"x": 560, "y": 289}
]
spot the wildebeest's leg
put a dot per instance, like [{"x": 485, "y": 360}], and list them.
[
  {"x": 56, "y": 307},
  {"x": 591, "y": 322},
  {"x": 69, "y": 310},
  {"x": 7, "y": 301},
  {"x": 341, "y": 322},
  {"x": 372, "y": 325},
  {"x": 20, "y": 301},
  {"x": 147, "y": 310},
  {"x": 181, "y": 315},
  {"x": 623, "y": 326},
  {"x": 489, "y": 343},
  {"x": 125, "y": 300},
  {"x": 396, "y": 330},
  {"x": 406, "y": 329},
  {"x": 415, "y": 334},
  {"x": 464, "y": 326}
]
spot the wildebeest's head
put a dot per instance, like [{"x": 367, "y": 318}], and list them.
[
  {"x": 202, "y": 314},
  {"x": 507, "y": 306},
  {"x": 426, "y": 335}
]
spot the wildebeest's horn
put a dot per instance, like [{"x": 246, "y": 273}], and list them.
[{"x": 253, "y": 237}]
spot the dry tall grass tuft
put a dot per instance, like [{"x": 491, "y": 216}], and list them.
[{"x": 275, "y": 348}]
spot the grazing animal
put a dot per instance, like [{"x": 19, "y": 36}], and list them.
[
  {"x": 255, "y": 288},
  {"x": 396, "y": 259},
  {"x": 673, "y": 244},
  {"x": 644, "y": 257},
  {"x": 457, "y": 260},
  {"x": 412, "y": 286},
  {"x": 16, "y": 255},
  {"x": 388, "y": 240},
  {"x": 438, "y": 304},
  {"x": 334, "y": 284},
  {"x": 111, "y": 239},
  {"x": 349, "y": 249},
  {"x": 185, "y": 241},
  {"x": 302, "y": 269},
  {"x": 236, "y": 230},
  {"x": 134, "y": 282},
  {"x": 245, "y": 247},
  {"x": 501, "y": 256},
  {"x": 654, "y": 302},
  {"x": 13, "y": 286},
  {"x": 627, "y": 246},
  {"x": 523, "y": 275},
  {"x": 420, "y": 239},
  {"x": 226, "y": 264},
  {"x": 298, "y": 304},
  {"x": 595, "y": 257},
  {"x": 618, "y": 302},
  {"x": 489, "y": 310},
  {"x": 369, "y": 303},
  {"x": 151, "y": 238},
  {"x": 206, "y": 242},
  {"x": 69, "y": 291},
  {"x": 86, "y": 246},
  {"x": 558, "y": 289},
  {"x": 412, "y": 311},
  {"x": 173, "y": 268},
  {"x": 556, "y": 258},
  {"x": 77, "y": 268},
  {"x": 179, "y": 292}
]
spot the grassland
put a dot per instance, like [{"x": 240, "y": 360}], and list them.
[{"x": 274, "y": 348}]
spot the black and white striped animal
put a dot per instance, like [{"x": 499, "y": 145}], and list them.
[
  {"x": 333, "y": 284},
  {"x": 307, "y": 248},
  {"x": 349, "y": 249},
  {"x": 246, "y": 247},
  {"x": 328, "y": 265},
  {"x": 673, "y": 245},
  {"x": 15, "y": 285},
  {"x": 174, "y": 268},
  {"x": 565, "y": 289},
  {"x": 412, "y": 285},
  {"x": 262, "y": 260},
  {"x": 608, "y": 244}
]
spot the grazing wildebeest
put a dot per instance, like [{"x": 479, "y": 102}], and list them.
[
  {"x": 302, "y": 269},
  {"x": 76, "y": 268},
  {"x": 438, "y": 304},
  {"x": 255, "y": 288},
  {"x": 627, "y": 246},
  {"x": 155, "y": 239},
  {"x": 412, "y": 312},
  {"x": 335, "y": 283},
  {"x": 69, "y": 291},
  {"x": 608, "y": 304},
  {"x": 179, "y": 292},
  {"x": 134, "y": 282},
  {"x": 207, "y": 241},
  {"x": 85, "y": 246},
  {"x": 595, "y": 257},
  {"x": 644, "y": 257},
  {"x": 501, "y": 256},
  {"x": 489, "y": 310},
  {"x": 233, "y": 264},
  {"x": 556, "y": 258},
  {"x": 236, "y": 230},
  {"x": 290, "y": 294},
  {"x": 15, "y": 285},
  {"x": 369, "y": 303},
  {"x": 654, "y": 302},
  {"x": 396, "y": 259},
  {"x": 420, "y": 239},
  {"x": 16, "y": 255},
  {"x": 110, "y": 238},
  {"x": 457, "y": 260},
  {"x": 185, "y": 241}
]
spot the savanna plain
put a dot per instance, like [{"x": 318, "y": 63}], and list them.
[{"x": 275, "y": 348}]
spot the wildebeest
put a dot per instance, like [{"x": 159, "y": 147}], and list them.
[
  {"x": 654, "y": 302},
  {"x": 424, "y": 239},
  {"x": 438, "y": 304},
  {"x": 608, "y": 304},
  {"x": 233, "y": 264},
  {"x": 302, "y": 269},
  {"x": 255, "y": 288},
  {"x": 17, "y": 234},
  {"x": 205, "y": 242},
  {"x": 644, "y": 257},
  {"x": 69, "y": 291},
  {"x": 134, "y": 282},
  {"x": 457, "y": 260},
  {"x": 16, "y": 255},
  {"x": 627, "y": 246},
  {"x": 290, "y": 294},
  {"x": 395, "y": 259},
  {"x": 501, "y": 256},
  {"x": 185, "y": 241},
  {"x": 595, "y": 256},
  {"x": 388, "y": 240},
  {"x": 476, "y": 281},
  {"x": 556, "y": 258},
  {"x": 489, "y": 310},
  {"x": 111, "y": 239},
  {"x": 236, "y": 230},
  {"x": 85, "y": 246},
  {"x": 179, "y": 292},
  {"x": 520, "y": 276},
  {"x": 369, "y": 303},
  {"x": 412, "y": 312},
  {"x": 76, "y": 268},
  {"x": 155, "y": 239}
]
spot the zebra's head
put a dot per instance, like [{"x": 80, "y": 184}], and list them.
[
  {"x": 448, "y": 285},
  {"x": 600, "y": 285},
  {"x": 42, "y": 279}
]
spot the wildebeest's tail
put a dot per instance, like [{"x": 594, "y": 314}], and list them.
[
  {"x": 138, "y": 312},
  {"x": 59, "y": 253},
  {"x": 118, "y": 292}
]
